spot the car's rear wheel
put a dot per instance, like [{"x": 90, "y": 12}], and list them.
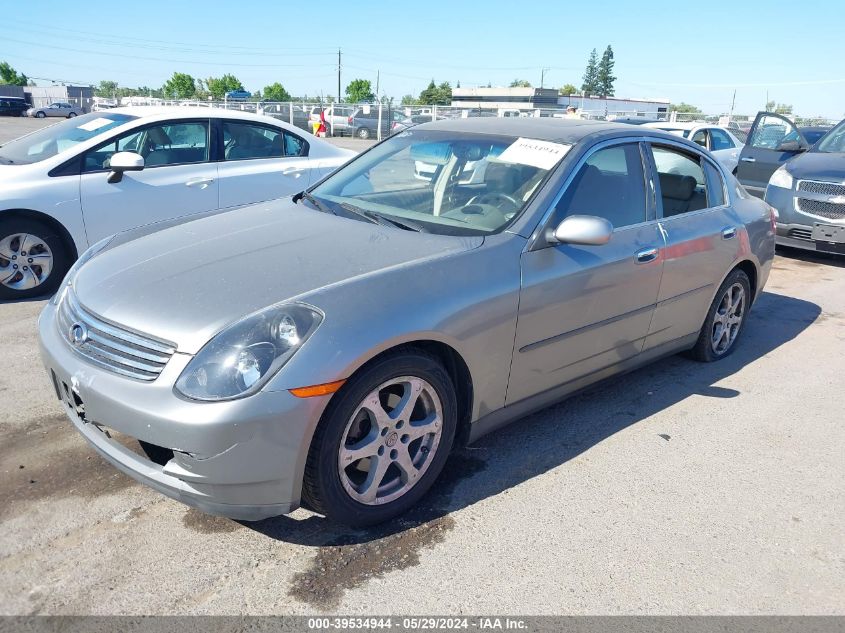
[
  {"x": 33, "y": 258},
  {"x": 363, "y": 133},
  {"x": 383, "y": 440},
  {"x": 725, "y": 319}
]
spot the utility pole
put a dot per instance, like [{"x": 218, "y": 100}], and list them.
[
  {"x": 378, "y": 73},
  {"x": 733, "y": 103},
  {"x": 338, "y": 75},
  {"x": 543, "y": 75}
]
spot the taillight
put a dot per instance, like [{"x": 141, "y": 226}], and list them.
[
  {"x": 349, "y": 120},
  {"x": 773, "y": 213}
]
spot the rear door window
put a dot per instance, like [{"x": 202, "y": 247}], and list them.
[{"x": 683, "y": 186}]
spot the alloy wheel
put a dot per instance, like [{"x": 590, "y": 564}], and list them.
[
  {"x": 25, "y": 261},
  {"x": 727, "y": 319},
  {"x": 390, "y": 440}
]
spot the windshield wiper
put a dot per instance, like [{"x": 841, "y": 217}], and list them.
[
  {"x": 380, "y": 218},
  {"x": 319, "y": 205}
]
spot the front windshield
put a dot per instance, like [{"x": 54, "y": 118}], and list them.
[
  {"x": 452, "y": 183},
  {"x": 48, "y": 142},
  {"x": 834, "y": 141}
]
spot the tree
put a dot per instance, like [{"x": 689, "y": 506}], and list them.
[
  {"x": 180, "y": 86},
  {"x": 276, "y": 92},
  {"x": 437, "y": 95},
  {"x": 568, "y": 89},
  {"x": 684, "y": 107},
  {"x": 520, "y": 83},
  {"x": 590, "y": 85},
  {"x": 604, "y": 73},
  {"x": 106, "y": 89},
  {"x": 359, "y": 90},
  {"x": 9, "y": 75},
  {"x": 219, "y": 86},
  {"x": 778, "y": 108},
  {"x": 409, "y": 100}
]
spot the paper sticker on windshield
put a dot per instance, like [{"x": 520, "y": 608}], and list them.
[
  {"x": 528, "y": 151},
  {"x": 95, "y": 124}
]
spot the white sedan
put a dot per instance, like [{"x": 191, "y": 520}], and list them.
[
  {"x": 722, "y": 143},
  {"x": 70, "y": 185}
]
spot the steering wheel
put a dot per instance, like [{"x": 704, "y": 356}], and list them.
[{"x": 495, "y": 196}]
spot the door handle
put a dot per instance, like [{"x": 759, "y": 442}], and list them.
[
  {"x": 728, "y": 233},
  {"x": 748, "y": 159},
  {"x": 646, "y": 255},
  {"x": 296, "y": 172},
  {"x": 202, "y": 183}
]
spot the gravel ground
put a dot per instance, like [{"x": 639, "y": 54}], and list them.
[{"x": 681, "y": 488}]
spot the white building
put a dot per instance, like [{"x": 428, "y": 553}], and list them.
[{"x": 616, "y": 106}]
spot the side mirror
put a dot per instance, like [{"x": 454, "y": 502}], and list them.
[
  {"x": 790, "y": 146},
  {"x": 124, "y": 161},
  {"x": 581, "y": 229}
]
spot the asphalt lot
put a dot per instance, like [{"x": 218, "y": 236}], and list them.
[{"x": 681, "y": 488}]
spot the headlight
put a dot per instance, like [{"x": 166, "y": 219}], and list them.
[
  {"x": 243, "y": 357},
  {"x": 86, "y": 256},
  {"x": 781, "y": 178}
]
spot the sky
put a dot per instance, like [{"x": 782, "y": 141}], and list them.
[{"x": 696, "y": 52}]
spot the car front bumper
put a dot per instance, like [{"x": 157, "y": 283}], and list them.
[
  {"x": 794, "y": 228},
  {"x": 241, "y": 459}
]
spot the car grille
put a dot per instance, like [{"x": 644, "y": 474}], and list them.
[
  {"x": 110, "y": 346},
  {"x": 823, "y": 188},
  {"x": 801, "y": 234},
  {"x": 821, "y": 208}
]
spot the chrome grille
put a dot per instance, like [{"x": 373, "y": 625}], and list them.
[
  {"x": 110, "y": 346},
  {"x": 821, "y": 208},
  {"x": 823, "y": 188}
]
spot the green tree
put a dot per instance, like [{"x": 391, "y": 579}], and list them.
[
  {"x": 360, "y": 90},
  {"x": 590, "y": 85},
  {"x": 783, "y": 108},
  {"x": 684, "y": 107},
  {"x": 437, "y": 95},
  {"x": 409, "y": 100},
  {"x": 568, "y": 89},
  {"x": 604, "y": 73},
  {"x": 520, "y": 83},
  {"x": 106, "y": 89},
  {"x": 276, "y": 92},
  {"x": 9, "y": 75},
  {"x": 180, "y": 86},
  {"x": 219, "y": 86}
]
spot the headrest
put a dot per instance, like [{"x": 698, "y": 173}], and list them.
[{"x": 676, "y": 186}]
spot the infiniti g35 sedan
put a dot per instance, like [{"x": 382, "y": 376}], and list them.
[
  {"x": 68, "y": 186},
  {"x": 330, "y": 350}
]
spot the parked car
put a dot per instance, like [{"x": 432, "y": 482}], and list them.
[
  {"x": 773, "y": 140},
  {"x": 238, "y": 95},
  {"x": 808, "y": 192},
  {"x": 338, "y": 117},
  {"x": 365, "y": 121},
  {"x": 13, "y": 106},
  {"x": 721, "y": 142},
  {"x": 58, "y": 109},
  {"x": 70, "y": 185},
  {"x": 334, "y": 347},
  {"x": 282, "y": 111}
]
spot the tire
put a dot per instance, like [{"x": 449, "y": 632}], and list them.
[
  {"x": 706, "y": 349},
  {"x": 364, "y": 133},
  {"x": 339, "y": 493},
  {"x": 46, "y": 242},
  {"x": 71, "y": 115},
  {"x": 40, "y": 115}
]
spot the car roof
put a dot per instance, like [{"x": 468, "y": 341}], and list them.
[
  {"x": 541, "y": 128},
  {"x": 191, "y": 112}
]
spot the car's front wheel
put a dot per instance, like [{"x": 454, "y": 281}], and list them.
[
  {"x": 71, "y": 115},
  {"x": 40, "y": 115},
  {"x": 382, "y": 441},
  {"x": 725, "y": 319},
  {"x": 33, "y": 258}
]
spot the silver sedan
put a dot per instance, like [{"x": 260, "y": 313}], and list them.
[
  {"x": 57, "y": 109},
  {"x": 331, "y": 349}
]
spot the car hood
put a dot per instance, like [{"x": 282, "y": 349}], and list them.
[
  {"x": 818, "y": 166},
  {"x": 186, "y": 282}
]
